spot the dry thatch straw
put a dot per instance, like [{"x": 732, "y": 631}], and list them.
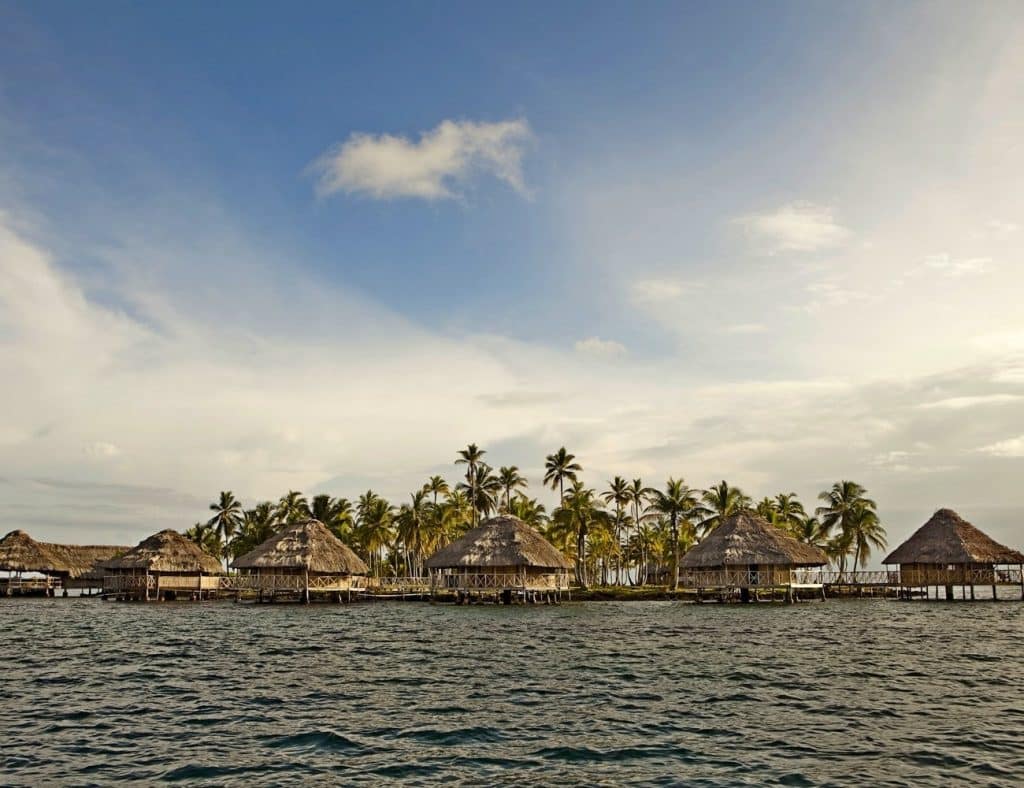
[
  {"x": 949, "y": 539},
  {"x": 503, "y": 541},
  {"x": 748, "y": 540},
  {"x": 167, "y": 551},
  {"x": 85, "y": 561},
  {"x": 307, "y": 545},
  {"x": 19, "y": 552}
]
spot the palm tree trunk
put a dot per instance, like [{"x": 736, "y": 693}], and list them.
[{"x": 675, "y": 554}]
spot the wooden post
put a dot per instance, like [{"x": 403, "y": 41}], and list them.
[
  {"x": 306, "y": 583},
  {"x": 147, "y": 584}
]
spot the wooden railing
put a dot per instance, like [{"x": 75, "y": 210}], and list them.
[
  {"x": 398, "y": 585},
  {"x": 737, "y": 577},
  {"x": 131, "y": 583},
  {"x": 290, "y": 582},
  {"x": 835, "y": 577},
  {"x": 494, "y": 581}
]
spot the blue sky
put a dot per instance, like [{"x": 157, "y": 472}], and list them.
[{"x": 324, "y": 247}]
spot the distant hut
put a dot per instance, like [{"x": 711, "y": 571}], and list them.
[
  {"x": 948, "y": 551},
  {"x": 163, "y": 566},
  {"x": 747, "y": 553},
  {"x": 84, "y": 562},
  {"x": 503, "y": 555},
  {"x": 302, "y": 558},
  {"x": 20, "y": 553}
]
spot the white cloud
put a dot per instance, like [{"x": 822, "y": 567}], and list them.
[
  {"x": 745, "y": 328},
  {"x": 386, "y": 166},
  {"x": 605, "y": 348},
  {"x": 795, "y": 227},
  {"x": 1001, "y": 229},
  {"x": 657, "y": 291},
  {"x": 960, "y": 403},
  {"x": 955, "y": 269},
  {"x": 102, "y": 450},
  {"x": 1009, "y": 375},
  {"x": 1012, "y": 447}
]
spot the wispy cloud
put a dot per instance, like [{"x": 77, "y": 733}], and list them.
[
  {"x": 102, "y": 450},
  {"x": 953, "y": 268},
  {"x": 658, "y": 291},
  {"x": 1011, "y": 447},
  {"x": 795, "y": 227},
  {"x": 745, "y": 328},
  {"x": 961, "y": 403},
  {"x": 436, "y": 166},
  {"x": 603, "y": 348}
]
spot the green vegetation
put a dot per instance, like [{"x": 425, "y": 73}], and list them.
[{"x": 625, "y": 534}]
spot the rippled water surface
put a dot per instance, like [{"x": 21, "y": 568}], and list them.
[{"x": 843, "y": 692}]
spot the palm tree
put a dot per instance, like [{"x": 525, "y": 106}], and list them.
[
  {"x": 559, "y": 468},
  {"x": 843, "y": 505},
  {"x": 638, "y": 495},
  {"x": 866, "y": 531},
  {"x": 677, "y": 503},
  {"x": 454, "y": 517},
  {"x": 226, "y": 521},
  {"x": 789, "y": 512},
  {"x": 436, "y": 485},
  {"x": 529, "y": 511},
  {"x": 482, "y": 489},
  {"x": 511, "y": 480},
  {"x": 205, "y": 535},
  {"x": 373, "y": 523},
  {"x": 618, "y": 493},
  {"x": 579, "y": 512},
  {"x": 413, "y": 530},
  {"x": 809, "y": 531},
  {"x": 471, "y": 457},
  {"x": 723, "y": 501},
  {"x": 293, "y": 507},
  {"x": 258, "y": 525},
  {"x": 335, "y": 513},
  {"x": 766, "y": 508}
]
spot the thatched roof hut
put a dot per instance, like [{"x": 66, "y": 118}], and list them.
[
  {"x": 503, "y": 541},
  {"x": 948, "y": 551},
  {"x": 745, "y": 539},
  {"x": 304, "y": 546},
  {"x": 747, "y": 552},
  {"x": 85, "y": 562},
  {"x": 949, "y": 539},
  {"x": 166, "y": 552},
  {"x": 19, "y": 552},
  {"x": 501, "y": 554}
]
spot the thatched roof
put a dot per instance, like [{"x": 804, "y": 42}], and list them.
[
  {"x": 304, "y": 545},
  {"x": 745, "y": 539},
  {"x": 949, "y": 539},
  {"x": 82, "y": 561},
  {"x": 19, "y": 552},
  {"x": 167, "y": 551},
  {"x": 499, "y": 541}
]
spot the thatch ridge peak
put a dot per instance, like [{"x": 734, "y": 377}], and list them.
[
  {"x": 947, "y": 538},
  {"x": 305, "y": 544},
  {"x": 746, "y": 539},
  {"x": 501, "y": 541}
]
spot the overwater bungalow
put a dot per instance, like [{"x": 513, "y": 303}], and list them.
[
  {"x": 302, "y": 559},
  {"x": 21, "y": 554},
  {"x": 503, "y": 556},
  {"x": 164, "y": 566},
  {"x": 948, "y": 551},
  {"x": 746, "y": 553},
  {"x": 52, "y": 568}
]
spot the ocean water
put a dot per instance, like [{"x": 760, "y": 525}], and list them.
[{"x": 858, "y": 692}]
